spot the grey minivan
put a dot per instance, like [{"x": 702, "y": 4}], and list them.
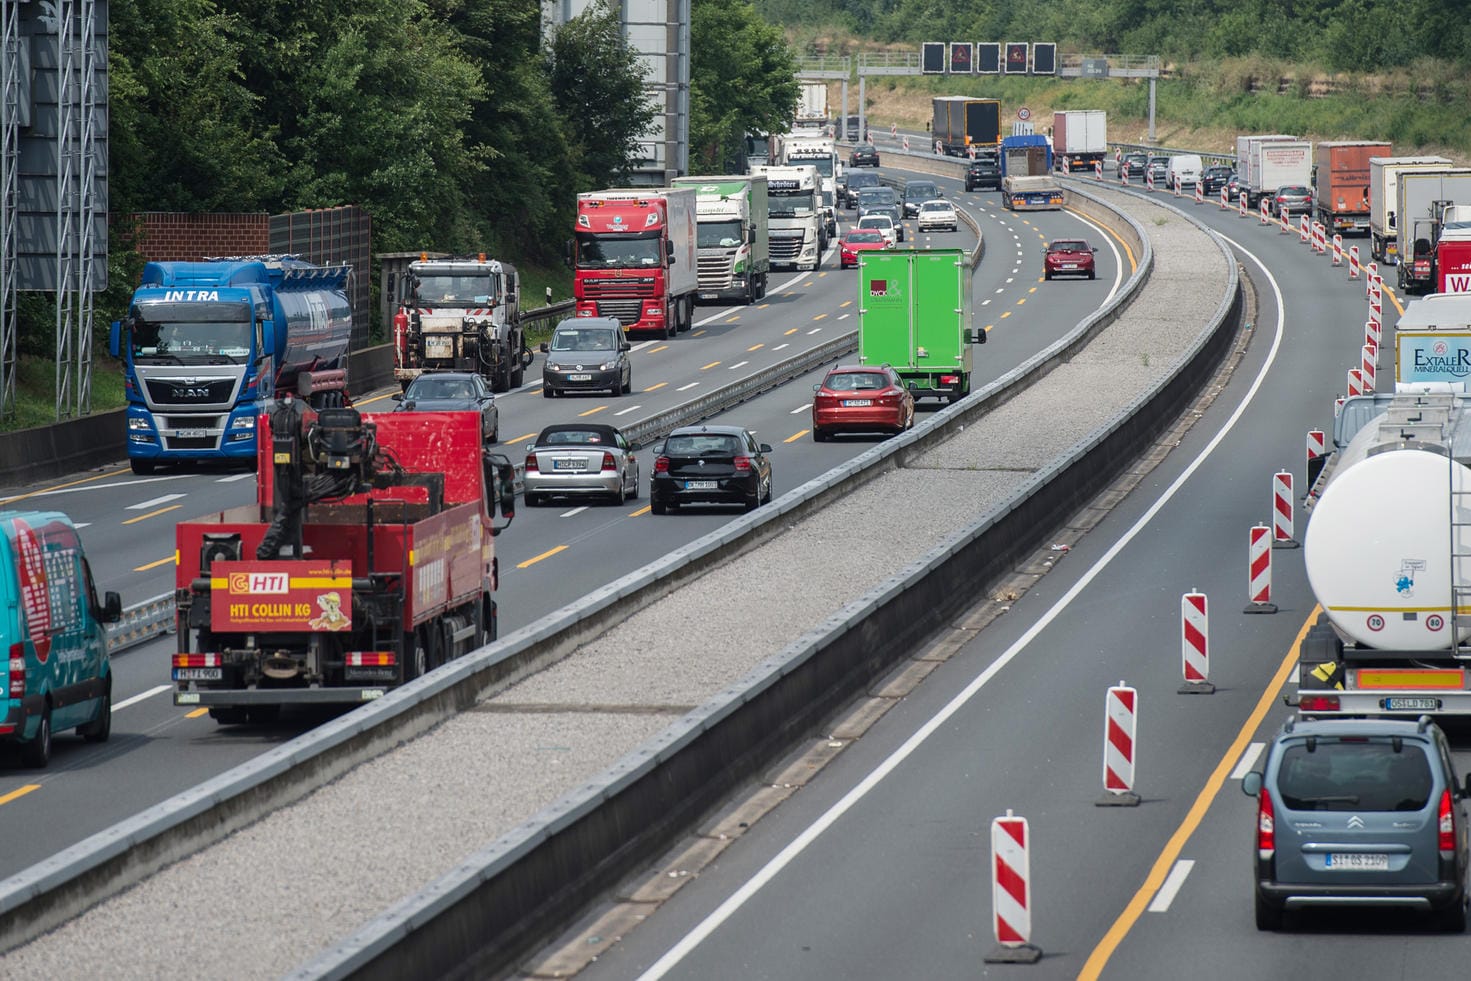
[
  {"x": 917, "y": 193},
  {"x": 1360, "y": 813},
  {"x": 587, "y": 354}
]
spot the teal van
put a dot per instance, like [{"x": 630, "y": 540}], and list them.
[{"x": 59, "y": 676}]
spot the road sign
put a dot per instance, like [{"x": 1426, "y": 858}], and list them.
[{"x": 1024, "y": 114}]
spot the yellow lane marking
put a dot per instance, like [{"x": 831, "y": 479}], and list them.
[
  {"x": 642, "y": 510},
  {"x": 989, "y": 326},
  {"x": 517, "y": 439},
  {"x": 733, "y": 318},
  {"x": 1167, "y": 858},
  {"x": 1387, "y": 292},
  {"x": 1032, "y": 290},
  {"x": 591, "y": 412},
  {"x": 763, "y": 306},
  {"x": 154, "y": 565},
  {"x": 820, "y": 316},
  {"x": 698, "y": 333},
  {"x": 1041, "y": 279},
  {"x": 544, "y": 555},
  {"x": 153, "y": 514},
  {"x": 710, "y": 365},
  {"x": 1021, "y": 301},
  {"x": 798, "y": 435},
  {"x": 788, "y": 294},
  {"x": 656, "y": 350},
  {"x": 652, "y": 388},
  {"x": 371, "y": 399},
  {"x": 57, "y": 487},
  {"x": 196, "y": 713},
  {"x": 755, "y": 347},
  {"x": 1005, "y": 315},
  {"x": 845, "y": 303},
  {"x": 19, "y": 792},
  {"x": 789, "y": 333}
]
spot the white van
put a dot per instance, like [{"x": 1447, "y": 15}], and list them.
[{"x": 1185, "y": 170}]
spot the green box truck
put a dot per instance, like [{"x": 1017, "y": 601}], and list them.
[{"x": 914, "y": 314}]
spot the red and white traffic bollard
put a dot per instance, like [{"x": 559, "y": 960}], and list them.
[
  {"x": 1286, "y": 217},
  {"x": 1353, "y": 262},
  {"x": 906, "y": 143},
  {"x": 1011, "y": 891},
  {"x": 1067, "y": 167},
  {"x": 1376, "y": 308},
  {"x": 1175, "y": 185},
  {"x": 1195, "y": 645},
  {"x": 1355, "y": 382},
  {"x": 1369, "y": 367},
  {"x": 1199, "y": 193},
  {"x": 1123, "y": 176},
  {"x": 1373, "y": 333},
  {"x": 1148, "y": 179},
  {"x": 1337, "y": 249},
  {"x": 1098, "y": 169},
  {"x": 1304, "y": 230},
  {"x": 1282, "y": 505},
  {"x": 1371, "y": 272},
  {"x": 1317, "y": 453},
  {"x": 1120, "y": 725},
  {"x": 1259, "y": 571},
  {"x": 1242, "y": 205},
  {"x": 1266, "y": 211},
  {"x": 1320, "y": 238},
  {"x": 1225, "y": 197}
]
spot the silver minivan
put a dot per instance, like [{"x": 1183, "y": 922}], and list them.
[
  {"x": 587, "y": 354},
  {"x": 1356, "y": 813}
]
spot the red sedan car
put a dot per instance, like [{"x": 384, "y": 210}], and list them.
[
  {"x": 861, "y": 399},
  {"x": 856, "y": 240},
  {"x": 1068, "y": 257}
]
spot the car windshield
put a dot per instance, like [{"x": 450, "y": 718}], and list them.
[
  {"x": 1068, "y": 247},
  {"x": 876, "y": 195},
  {"x": 702, "y": 444},
  {"x": 856, "y": 381},
  {"x": 572, "y": 437},
  {"x": 859, "y": 181},
  {"x": 857, "y": 236},
  {"x": 586, "y": 339},
  {"x": 428, "y": 387},
  {"x": 1354, "y": 775},
  {"x": 193, "y": 341}
]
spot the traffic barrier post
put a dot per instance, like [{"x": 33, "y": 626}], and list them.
[
  {"x": 1199, "y": 193},
  {"x": 1242, "y": 203},
  {"x": 1148, "y": 179},
  {"x": 1011, "y": 891},
  {"x": 1370, "y": 272},
  {"x": 1282, "y": 506},
  {"x": 1266, "y": 211},
  {"x": 1195, "y": 645},
  {"x": 1286, "y": 227},
  {"x": 1123, "y": 176},
  {"x": 1175, "y": 185},
  {"x": 1067, "y": 167},
  {"x": 1120, "y": 726},
  {"x": 1374, "y": 333},
  {"x": 906, "y": 143},
  {"x": 1376, "y": 309},
  {"x": 1225, "y": 197},
  {"x": 1304, "y": 230},
  {"x": 1317, "y": 449},
  {"x": 1355, "y": 382},
  {"x": 1353, "y": 262},
  {"x": 1320, "y": 238},
  {"x": 1337, "y": 249},
  {"x": 1098, "y": 169},
  {"x": 1369, "y": 369},
  {"x": 1259, "y": 571}
]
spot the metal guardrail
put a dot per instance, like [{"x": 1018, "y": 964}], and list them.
[
  {"x": 551, "y": 311},
  {"x": 1153, "y": 149},
  {"x": 141, "y": 623}
]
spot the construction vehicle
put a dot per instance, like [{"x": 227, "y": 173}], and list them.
[
  {"x": 366, "y": 561},
  {"x": 461, "y": 313},
  {"x": 1422, "y": 201},
  {"x": 635, "y": 258},
  {"x": 1080, "y": 137},
  {"x": 205, "y": 344},
  {"x": 1384, "y": 174},
  {"x": 1341, "y": 183},
  {"x": 1388, "y": 543},
  {"x": 962, "y": 124},
  {"x": 732, "y": 218},
  {"x": 798, "y": 235},
  {"x": 914, "y": 314}
]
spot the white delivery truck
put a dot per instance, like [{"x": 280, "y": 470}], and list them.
[
  {"x": 1384, "y": 174},
  {"x": 1079, "y": 136}
]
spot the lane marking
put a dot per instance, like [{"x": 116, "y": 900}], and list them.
[
  {"x": 686, "y": 388},
  {"x": 798, "y": 845},
  {"x": 733, "y": 318},
  {"x": 845, "y": 303},
  {"x": 642, "y": 510},
  {"x": 700, "y": 333},
  {"x": 1248, "y": 760},
  {"x": 820, "y": 316},
  {"x": 738, "y": 364},
  {"x": 591, "y": 412},
  {"x": 624, "y": 412},
  {"x": 141, "y": 696},
  {"x": 661, "y": 347},
  {"x": 239, "y": 476},
  {"x": 655, "y": 388},
  {"x": 844, "y": 316},
  {"x": 1168, "y": 891},
  {"x": 155, "y": 502},
  {"x": 153, "y": 514},
  {"x": 709, "y": 366},
  {"x": 81, "y": 524},
  {"x": 789, "y": 333},
  {"x": 798, "y": 435},
  {"x": 371, "y": 399},
  {"x": 197, "y": 713},
  {"x": 576, "y": 510},
  {"x": 153, "y": 565},
  {"x": 779, "y": 347},
  {"x": 1021, "y": 301},
  {"x": 18, "y": 792},
  {"x": 755, "y": 347},
  {"x": 58, "y": 487},
  {"x": 544, "y": 555},
  {"x": 815, "y": 330},
  {"x": 800, "y": 409},
  {"x": 1005, "y": 315},
  {"x": 513, "y": 442}
]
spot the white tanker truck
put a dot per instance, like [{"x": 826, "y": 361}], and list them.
[{"x": 1388, "y": 544}]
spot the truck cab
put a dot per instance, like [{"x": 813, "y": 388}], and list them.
[
  {"x": 461, "y": 314},
  {"x": 797, "y": 231}
]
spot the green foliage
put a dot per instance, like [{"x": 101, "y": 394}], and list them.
[{"x": 742, "y": 78}]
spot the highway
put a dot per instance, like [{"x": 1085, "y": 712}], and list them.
[
  {"x": 879, "y": 867},
  {"x": 549, "y": 556}
]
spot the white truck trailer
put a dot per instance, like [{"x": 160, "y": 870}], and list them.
[
  {"x": 1384, "y": 174},
  {"x": 734, "y": 236},
  {"x": 1266, "y": 163}
]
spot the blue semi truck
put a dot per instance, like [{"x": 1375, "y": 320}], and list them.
[{"x": 206, "y": 344}]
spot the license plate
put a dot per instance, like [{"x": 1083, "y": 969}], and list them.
[
  {"x": 579, "y": 378},
  {"x": 1357, "y": 860},
  {"x": 569, "y": 464},
  {"x": 1069, "y": 265},
  {"x": 1412, "y": 704},
  {"x": 699, "y": 485},
  {"x": 191, "y": 434},
  {"x": 857, "y": 402},
  {"x": 709, "y": 296},
  {"x": 199, "y": 674}
]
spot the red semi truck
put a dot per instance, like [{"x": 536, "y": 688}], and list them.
[
  {"x": 636, "y": 258},
  {"x": 367, "y": 560}
]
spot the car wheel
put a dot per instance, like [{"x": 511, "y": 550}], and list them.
[
  {"x": 1453, "y": 918},
  {"x": 753, "y": 502},
  {"x": 633, "y": 494},
  {"x": 1092, "y": 274},
  {"x": 100, "y": 728},
  {"x": 1046, "y": 275},
  {"x": 656, "y": 506},
  {"x": 1268, "y": 917},
  {"x": 546, "y": 391},
  {"x": 532, "y": 500},
  {"x": 819, "y": 435},
  {"x": 37, "y": 753}
]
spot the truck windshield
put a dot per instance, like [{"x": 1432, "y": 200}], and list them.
[
  {"x": 719, "y": 234},
  {"x": 597, "y": 251},
  {"x": 824, "y": 163},
  {"x": 456, "y": 290},
  {"x": 797, "y": 205},
  {"x": 190, "y": 333}
]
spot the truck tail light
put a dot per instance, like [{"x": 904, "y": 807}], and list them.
[
  {"x": 17, "y": 670},
  {"x": 1266, "y": 825},
  {"x": 197, "y": 661},
  {"x": 661, "y": 465},
  {"x": 949, "y": 379},
  {"x": 1318, "y": 703},
  {"x": 742, "y": 464},
  {"x": 608, "y": 463},
  {"x": 531, "y": 465},
  {"x": 1447, "y": 825},
  {"x": 371, "y": 659}
]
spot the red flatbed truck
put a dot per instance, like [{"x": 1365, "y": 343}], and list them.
[{"x": 367, "y": 560}]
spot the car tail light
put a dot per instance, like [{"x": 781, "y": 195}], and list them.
[
  {"x": 1447, "y": 827},
  {"x": 17, "y": 670},
  {"x": 742, "y": 464},
  {"x": 531, "y": 465},
  {"x": 1266, "y": 825},
  {"x": 1318, "y": 703},
  {"x": 608, "y": 463},
  {"x": 661, "y": 465}
]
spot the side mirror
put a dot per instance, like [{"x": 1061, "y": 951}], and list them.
[
  {"x": 975, "y": 335},
  {"x": 764, "y": 447},
  {"x": 669, "y": 250},
  {"x": 658, "y": 448},
  {"x": 499, "y": 466},
  {"x": 569, "y": 251},
  {"x": 817, "y": 387},
  {"x": 1251, "y": 784},
  {"x": 1093, "y": 250},
  {"x": 112, "y": 610},
  {"x": 544, "y": 347},
  {"x": 115, "y": 339},
  {"x": 396, "y": 397},
  {"x": 625, "y": 346}
]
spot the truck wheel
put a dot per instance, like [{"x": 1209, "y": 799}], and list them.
[
  {"x": 37, "y": 753},
  {"x": 518, "y": 376},
  {"x": 232, "y": 715},
  {"x": 100, "y": 728},
  {"x": 142, "y": 467}
]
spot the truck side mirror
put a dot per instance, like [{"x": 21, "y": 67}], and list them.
[
  {"x": 392, "y": 287},
  {"x": 568, "y": 253},
  {"x": 115, "y": 339},
  {"x": 975, "y": 335},
  {"x": 502, "y": 474},
  {"x": 112, "y": 607}
]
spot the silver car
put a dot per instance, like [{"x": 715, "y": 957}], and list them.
[
  {"x": 580, "y": 460},
  {"x": 587, "y": 354},
  {"x": 1359, "y": 812}
]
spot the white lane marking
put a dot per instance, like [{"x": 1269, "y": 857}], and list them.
[
  {"x": 568, "y": 514},
  {"x": 82, "y": 524},
  {"x": 154, "y": 502},
  {"x": 140, "y": 696},
  {"x": 686, "y": 388},
  {"x": 1009, "y": 279},
  {"x": 641, "y": 345},
  {"x": 780, "y": 346},
  {"x": 738, "y": 364},
  {"x": 234, "y": 477},
  {"x": 1248, "y": 760},
  {"x": 984, "y": 302},
  {"x": 1003, "y": 291},
  {"x": 815, "y": 330},
  {"x": 800, "y": 409},
  {"x": 798, "y": 845},
  {"x": 843, "y": 316},
  {"x": 1173, "y": 882},
  {"x": 624, "y": 412}
]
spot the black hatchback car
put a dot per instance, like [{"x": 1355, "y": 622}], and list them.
[
  {"x": 983, "y": 172},
  {"x": 1214, "y": 179},
  {"x": 710, "y": 465},
  {"x": 864, "y": 155}
]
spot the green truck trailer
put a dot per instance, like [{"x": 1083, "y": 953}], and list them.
[{"x": 914, "y": 314}]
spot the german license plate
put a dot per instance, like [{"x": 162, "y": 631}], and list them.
[
  {"x": 1410, "y": 704},
  {"x": 855, "y": 403},
  {"x": 579, "y": 378},
  {"x": 709, "y": 296},
  {"x": 198, "y": 674},
  {"x": 1069, "y": 265},
  {"x": 191, "y": 434},
  {"x": 699, "y": 485},
  {"x": 569, "y": 464},
  {"x": 1362, "y": 861}
]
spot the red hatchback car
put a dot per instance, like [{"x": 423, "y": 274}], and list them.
[
  {"x": 856, "y": 240},
  {"x": 861, "y": 399},
  {"x": 1068, "y": 257}
]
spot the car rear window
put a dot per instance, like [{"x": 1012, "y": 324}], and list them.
[
  {"x": 440, "y": 388},
  {"x": 875, "y": 221},
  {"x": 865, "y": 236},
  {"x": 1068, "y": 247},
  {"x": 702, "y": 444},
  {"x": 856, "y": 381},
  {"x": 1354, "y": 776},
  {"x": 934, "y": 206},
  {"x": 573, "y": 437}
]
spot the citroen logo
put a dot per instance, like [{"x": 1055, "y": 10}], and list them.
[{"x": 1356, "y": 822}]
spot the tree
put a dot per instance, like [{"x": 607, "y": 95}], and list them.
[
  {"x": 743, "y": 78},
  {"x": 597, "y": 83}
]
